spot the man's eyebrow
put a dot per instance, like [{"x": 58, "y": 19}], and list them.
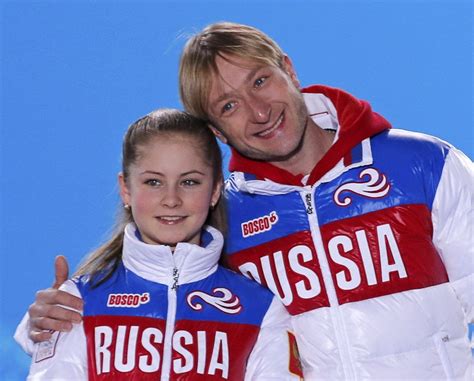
[{"x": 226, "y": 95}]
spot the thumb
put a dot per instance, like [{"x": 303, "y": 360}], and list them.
[{"x": 61, "y": 271}]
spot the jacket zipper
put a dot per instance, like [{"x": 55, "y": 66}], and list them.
[
  {"x": 339, "y": 329},
  {"x": 441, "y": 341},
  {"x": 169, "y": 330}
]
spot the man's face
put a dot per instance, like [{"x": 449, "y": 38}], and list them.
[{"x": 257, "y": 108}]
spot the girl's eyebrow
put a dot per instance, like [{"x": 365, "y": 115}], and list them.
[
  {"x": 194, "y": 171},
  {"x": 151, "y": 173}
]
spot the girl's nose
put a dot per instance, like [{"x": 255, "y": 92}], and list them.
[{"x": 171, "y": 198}]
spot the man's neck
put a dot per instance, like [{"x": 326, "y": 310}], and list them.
[{"x": 316, "y": 143}]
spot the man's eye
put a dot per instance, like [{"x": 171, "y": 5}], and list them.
[
  {"x": 228, "y": 106},
  {"x": 259, "y": 82},
  {"x": 153, "y": 182}
]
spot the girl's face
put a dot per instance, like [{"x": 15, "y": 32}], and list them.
[{"x": 170, "y": 190}]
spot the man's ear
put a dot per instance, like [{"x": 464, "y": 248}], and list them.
[
  {"x": 217, "y": 133},
  {"x": 290, "y": 70},
  {"x": 124, "y": 191}
]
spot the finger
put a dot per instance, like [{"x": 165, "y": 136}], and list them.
[
  {"x": 38, "y": 325},
  {"x": 56, "y": 302},
  {"x": 56, "y": 313},
  {"x": 38, "y": 336},
  {"x": 61, "y": 271}
]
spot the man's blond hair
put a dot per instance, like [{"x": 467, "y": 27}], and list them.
[{"x": 198, "y": 60}]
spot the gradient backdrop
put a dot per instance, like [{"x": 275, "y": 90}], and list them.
[{"x": 75, "y": 74}]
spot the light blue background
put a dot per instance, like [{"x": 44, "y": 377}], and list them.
[{"x": 75, "y": 74}]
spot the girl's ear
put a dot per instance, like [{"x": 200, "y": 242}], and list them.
[
  {"x": 216, "y": 194},
  {"x": 217, "y": 133},
  {"x": 124, "y": 191}
]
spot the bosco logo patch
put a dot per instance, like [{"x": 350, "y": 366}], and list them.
[
  {"x": 128, "y": 300},
  {"x": 259, "y": 225}
]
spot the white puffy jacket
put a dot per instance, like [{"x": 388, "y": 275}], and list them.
[{"x": 372, "y": 252}]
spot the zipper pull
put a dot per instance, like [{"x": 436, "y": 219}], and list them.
[
  {"x": 175, "y": 279},
  {"x": 309, "y": 203}
]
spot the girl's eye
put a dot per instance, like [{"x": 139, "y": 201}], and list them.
[
  {"x": 260, "y": 81},
  {"x": 153, "y": 182},
  {"x": 190, "y": 182}
]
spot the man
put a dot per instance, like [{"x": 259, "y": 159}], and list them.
[{"x": 364, "y": 232}]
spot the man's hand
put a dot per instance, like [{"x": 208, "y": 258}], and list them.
[{"x": 46, "y": 315}]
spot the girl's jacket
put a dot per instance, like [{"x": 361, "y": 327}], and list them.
[
  {"x": 171, "y": 316},
  {"x": 371, "y": 253}
]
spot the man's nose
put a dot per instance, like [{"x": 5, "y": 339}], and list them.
[{"x": 261, "y": 110}]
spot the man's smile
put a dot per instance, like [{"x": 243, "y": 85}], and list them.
[{"x": 268, "y": 131}]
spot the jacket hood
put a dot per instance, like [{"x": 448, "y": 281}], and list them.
[{"x": 356, "y": 122}]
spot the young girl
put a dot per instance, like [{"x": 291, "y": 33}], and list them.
[{"x": 156, "y": 303}]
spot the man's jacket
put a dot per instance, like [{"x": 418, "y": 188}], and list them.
[{"x": 371, "y": 253}]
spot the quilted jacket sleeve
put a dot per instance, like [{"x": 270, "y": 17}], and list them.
[
  {"x": 274, "y": 356},
  {"x": 453, "y": 225}
]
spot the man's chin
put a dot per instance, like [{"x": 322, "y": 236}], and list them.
[{"x": 277, "y": 157}]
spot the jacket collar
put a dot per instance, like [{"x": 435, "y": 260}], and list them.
[{"x": 156, "y": 262}]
